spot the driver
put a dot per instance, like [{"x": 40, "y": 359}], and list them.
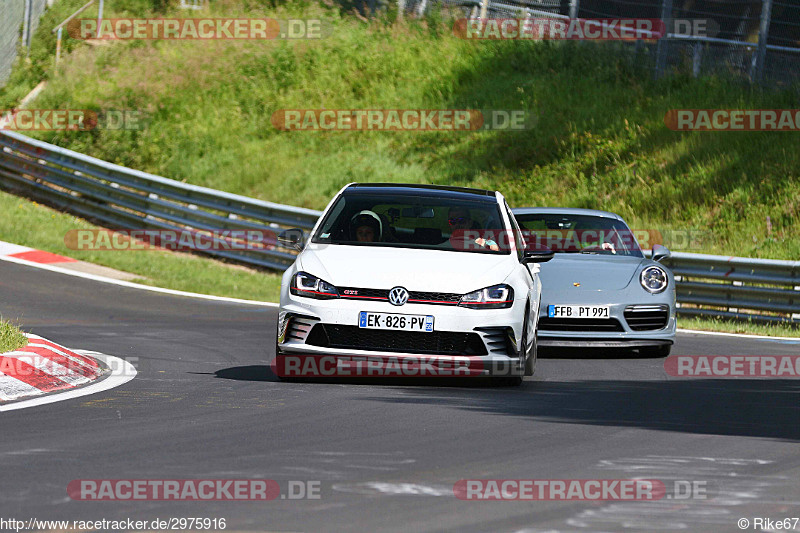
[{"x": 366, "y": 226}]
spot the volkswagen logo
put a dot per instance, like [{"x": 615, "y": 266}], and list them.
[{"x": 398, "y": 296}]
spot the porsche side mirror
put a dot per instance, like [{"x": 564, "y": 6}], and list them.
[{"x": 660, "y": 253}]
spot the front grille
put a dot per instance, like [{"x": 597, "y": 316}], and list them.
[
  {"x": 299, "y": 326},
  {"x": 414, "y": 297},
  {"x": 412, "y": 342},
  {"x": 646, "y": 317},
  {"x": 433, "y": 297},
  {"x": 579, "y": 324}
]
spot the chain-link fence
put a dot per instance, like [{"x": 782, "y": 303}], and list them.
[
  {"x": 756, "y": 39},
  {"x": 19, "y": 19}
]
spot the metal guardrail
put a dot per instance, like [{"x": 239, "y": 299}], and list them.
[
  {"x": 707, "y": 285},
  {"x": 123, "y": 198},
  {"x": 762, "y": 290}
]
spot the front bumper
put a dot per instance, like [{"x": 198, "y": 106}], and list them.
[
  {"x": 330, "y": 327},
  {"x": 620, "y": 330}
]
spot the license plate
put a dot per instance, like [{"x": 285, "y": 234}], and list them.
[
  {"x": 577, "y": 311},
  {"x": 423, "y": 323}
]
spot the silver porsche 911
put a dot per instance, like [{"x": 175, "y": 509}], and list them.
[{"x": 600, "y": 290}]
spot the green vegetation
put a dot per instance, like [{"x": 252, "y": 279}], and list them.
[
  {"x": 599, "y": 140},
  {"x": 732, "y": 326},
  {"x": 11, "y": 338},
  {"x": 40, "y": 227}
]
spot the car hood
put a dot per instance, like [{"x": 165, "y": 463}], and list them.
[
  {"x": 416, "y": 270},
  {"x": 593, "y": 272}
]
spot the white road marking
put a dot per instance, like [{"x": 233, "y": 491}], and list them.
[{"x": 131, "y": 285}]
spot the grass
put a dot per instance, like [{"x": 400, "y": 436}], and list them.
[
  {"x": 11, "y": 338},
  {"x": 599, "y": 140},
  {"x": 31, "y": 224},
  {"x": 732, "y": 326}
]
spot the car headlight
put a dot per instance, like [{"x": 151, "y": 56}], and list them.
[
  {"x": 654, "y": 279},
  {"x": 494, "y": 297},
  {"x": 304, "y": 284}
]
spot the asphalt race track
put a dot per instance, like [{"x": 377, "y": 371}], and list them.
[{"x": 386, "y": 454}]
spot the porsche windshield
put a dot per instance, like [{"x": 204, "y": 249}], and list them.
[
  {"x": 408, "y": 221},
  {"x": 564, "y": 233}
]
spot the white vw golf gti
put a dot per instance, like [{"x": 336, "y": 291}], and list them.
[{"x": 414, "y": 270}]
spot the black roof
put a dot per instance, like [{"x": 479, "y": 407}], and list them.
[{"x": 418, "y": 189}]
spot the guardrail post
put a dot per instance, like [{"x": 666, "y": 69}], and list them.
[
  {"x": 574, "y": 5},
  {"x": 763, "y": 35},
  {"x": 663, "y": 42},
  {"x": 484, "y": 9},
  {"x": 696, "y": 58}
]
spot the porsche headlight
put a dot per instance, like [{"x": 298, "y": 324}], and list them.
[
  {"x": 654, "y": 279},
  {"x": 304, "y": 284},
  {"x": 494, "y": 297}
]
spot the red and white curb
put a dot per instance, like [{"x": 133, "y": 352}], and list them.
[
  {"x": 42, "y": 367},
  {"x": 32, "y": 255}
]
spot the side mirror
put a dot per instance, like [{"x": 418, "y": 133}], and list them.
[
  {"x": 537, "y": 255},
  {"x": 660, "y": 253},
  {"x": 292, "y": 238}
]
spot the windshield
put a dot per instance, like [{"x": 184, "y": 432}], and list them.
[
  {"x": 564, "y": 233},
  {"x": 426, "y": 222}
]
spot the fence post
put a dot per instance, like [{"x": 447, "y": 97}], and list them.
[
  {"x": 26, "y": 24},
  {"x": 99, "y": 17},
  {"x": 401, "y": 7},
  {"x": 763, "y": 34},
  {"x": 663, "y": 42},
  {"x": 58, "y": 47},
  {"x": 573, "y": 8}
]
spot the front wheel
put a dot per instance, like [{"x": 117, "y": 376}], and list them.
[{"x": 530, "y": 362}]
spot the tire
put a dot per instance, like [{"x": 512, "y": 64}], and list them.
[
  {"x": 530, "y": 362},
  {"x": 661, "y": 350}
]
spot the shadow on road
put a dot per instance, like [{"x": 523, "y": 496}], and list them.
[
  {"x": 248, "y": 373},
  {"x": 265, "y": 373},
  {"x": 747, "y": 408},
  {"x": 551, "y": 352}
]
